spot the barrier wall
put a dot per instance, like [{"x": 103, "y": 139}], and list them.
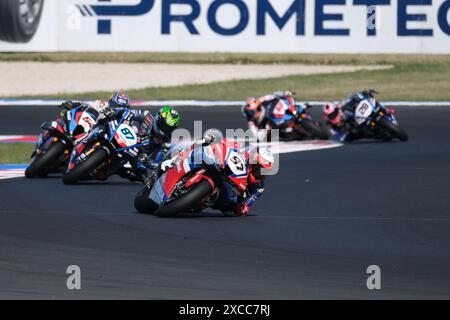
[{"x": 299, "y": 26}]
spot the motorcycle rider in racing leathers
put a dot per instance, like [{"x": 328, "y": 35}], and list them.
[
  {"x": 256, "y": 108},
  {"x": 257, "y": 158},
  {"x": 154, "y": 131},
  {"x": 340, "y": 117},
  {"x": 334, "y": 118}
]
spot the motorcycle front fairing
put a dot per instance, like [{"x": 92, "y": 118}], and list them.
[
  {"x": 81, "y": 121},
  {"x": 281, "y": 111},
  {"x": 118, "y": 139},
  {"x": 52, "y": 132}
]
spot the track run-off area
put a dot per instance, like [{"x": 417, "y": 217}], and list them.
[{"x": 324, "y": 218}]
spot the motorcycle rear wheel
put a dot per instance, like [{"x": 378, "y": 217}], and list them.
[
  {"x": 186, "y": 201},
  {"x": 41, "y": 163},
  {"x": 82, "y": 170}
]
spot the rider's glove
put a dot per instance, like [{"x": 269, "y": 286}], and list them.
[{"x": 167, "y": 164}]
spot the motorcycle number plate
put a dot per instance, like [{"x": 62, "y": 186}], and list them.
[
  {"x": 363, "y": 111},
  {"x": 236, "y": 163},
  {"x": 86, "y": 121},
  {"x": 127, "y": 136},
  {"x": 280, "y": 109}
]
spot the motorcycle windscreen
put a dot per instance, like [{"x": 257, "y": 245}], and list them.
[{"x": 86, "y": 120}]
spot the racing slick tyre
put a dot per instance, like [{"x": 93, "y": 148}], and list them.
[
  {"x": 187, "y": 200},
  {"x": 393, "y": 129},
  {"x": 19, "y": 19},
  {"x": 143, "y": 203},
  {"x": 83, "y": 169},
  {"x": 315, "y": 130},
  {"x": 40, "y": 164}
]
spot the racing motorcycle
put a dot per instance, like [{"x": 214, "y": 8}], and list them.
[
  {"x": 181, "y": 189},
  {"x": 293, "y": 121},
  {"x": 58, "y": 139},
  {"x": 108, "y": 149},
  {"x": 372, "y": 120}
]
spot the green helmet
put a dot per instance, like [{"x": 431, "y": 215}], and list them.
[{"x": 167, "y": 120}]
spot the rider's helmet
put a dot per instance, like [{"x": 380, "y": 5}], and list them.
[
  {"x": 119, "y": 99},
  {"x": 289, "y": 93},
  {"x": 166, "y": 121},
  {"x": 213, "y": 136},
  {"x": 252, "y": 104},
  {"x": 331, "y": 112}
]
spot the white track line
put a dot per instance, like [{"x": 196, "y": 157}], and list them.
[
  {"x": 282, "y": 147},
  {"x": 11, "y": 173}
]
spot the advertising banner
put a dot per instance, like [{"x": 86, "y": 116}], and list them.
[{"x": 297, "y": 26}]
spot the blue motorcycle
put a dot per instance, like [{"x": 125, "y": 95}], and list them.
[
  {"x": 372, "y": 120},
  {"x": 293, "y": 121},
  {"x": 105, "y": 151}
]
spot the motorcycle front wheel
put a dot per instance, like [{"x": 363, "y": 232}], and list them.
[
  {"x": 83, "y": 169},
  {"x": 186, "y": 201},
  {"x": 393, "y": 129},
  {"x": 41, "y": 163},
  {"x": 143, "y": 203}
]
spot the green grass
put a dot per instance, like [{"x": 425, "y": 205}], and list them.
[
  {"x": 413, "y": 77},
  {"x": 411, "y": 81},
  {"x": 15, "y": 153},
  {"x": 233, "y": 58}
]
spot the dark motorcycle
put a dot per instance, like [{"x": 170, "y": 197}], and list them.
[
  {"x": 58, "y": 140},
  {"x": 372, "y": 120},
  {"x": 104, "y": 152}
]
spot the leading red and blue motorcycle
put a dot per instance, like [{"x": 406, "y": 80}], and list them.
[{"x": 191, "y": 189}]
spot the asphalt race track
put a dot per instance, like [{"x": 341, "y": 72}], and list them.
[{"x": 324, "y": 219}]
